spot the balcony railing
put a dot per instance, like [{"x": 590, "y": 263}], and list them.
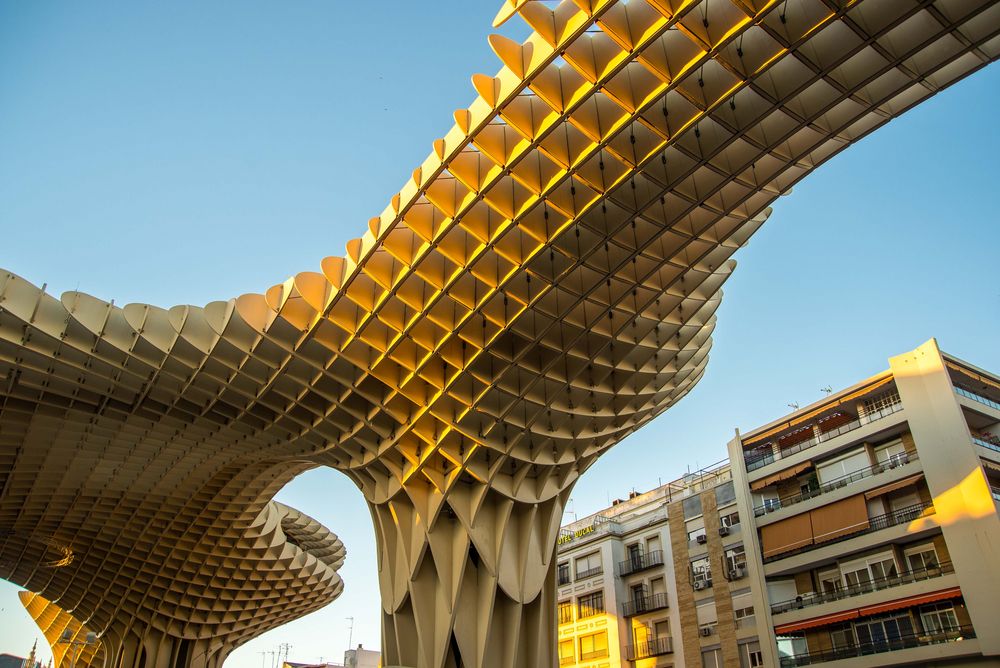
[
  {"x": 589, "y": 573},
  {"x": 836, "y": 483},
  {"x": 763, "y": 455},
  {"x": 877, "y": 523},
  {"x": 986, "y": 443},
  {"x": 877, "y": 647},
  {"x": 640, "y": 562},
  {"x": 651, "y": 647},
  {"x": 596, "y": 654},
  {"x": 649, "y": 603},
  {"x": 969, "y": 394},
  {"x": 877, "y": 584}
]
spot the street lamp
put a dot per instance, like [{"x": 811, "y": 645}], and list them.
[{"x": 78, "y": 645}]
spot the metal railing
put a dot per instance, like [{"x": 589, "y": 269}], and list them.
[
  {"x": 877, "y": 523},
  {"x": 596, "y": 654},
  {"x": 650, "y": 647},
  {"x": 986, "y": 443},
  {"x": 767, "y": 455},
  {"x": 589, "y": 573},
  {"x": 642, "y": 604},
  {"x": 836, "y": 483},
  {"x": 640, "y": 562},
  {"x": 877, "y": 647},
  {"x": 986, "y": 401},
  {"x": 817, "y": 598}
]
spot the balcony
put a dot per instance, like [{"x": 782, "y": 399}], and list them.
[
  {"x": 589, "y": 573},
  {"x": 638, "y": 606},
  {"x": 807, "y": 600},
  {"x": 596, "y": 654},
  {"x": 764, "y": 454},
  {"x": 990, "y": 443},
  {"x": 887, "y": 645},
  {"x": 877, "y": 523},
  {"x": 640, "y": 562},
  {"x": 969, "y": 394},
  {"x": 651, "y": 647},
  {"x": 777, "y": 504}
]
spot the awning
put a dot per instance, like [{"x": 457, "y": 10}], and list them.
[
  {"x": 815, "y": 621},
  {"x": 991, "y": 465},
  {"x": 972, "y": 374},
  {"x": 892, "y": 487},
  {"x": 910, "y": 601},
  {"x": 779, "y": 476}
]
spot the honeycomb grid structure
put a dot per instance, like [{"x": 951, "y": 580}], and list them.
[{"x": 543, "y": 286}]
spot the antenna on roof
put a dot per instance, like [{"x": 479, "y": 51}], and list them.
[
  {"x": 794, "y": 406},
  {"x": 827, "y": 389}
]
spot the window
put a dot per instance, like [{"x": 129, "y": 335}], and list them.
[
  {"x": 562, "y": 573},
  {"x": 744, "y": 617},
  {"x": 725, "y": 494},
  {"x": 566, "y": 654},
  {"x": 711, "y": 658},
  {"x": 842, "y": 637},
  {"x": 772, "y": 504},
  {"x": 736, "y": 562},
  {"x": 590, "y": 605},
  {"x": 830, "y": 582},
  {"x": 692, "y": 507},
  {"x": 730, "y": 520},
  {"x": 879, "y": 632},
  {"x": 594, "y": 646},
  {"x": 837, "y": 469},
  {"x": 701, "y": 573},
  {"x": 938, "y": 618},
  {"x": 866, "y": 573},
  {"x": 694, "y": 534},
  {"x": 891, "y": 454},
  {"x": 882, "y": 570},
  {"x": 750, "y": 655},
  {"x": 589, "y": 565},
  {"x": 662, "y": 628},
  {"x": 565, "y": 612},
  {"x": 923, "y": 559},
  {"x": 657, "y": 586}
]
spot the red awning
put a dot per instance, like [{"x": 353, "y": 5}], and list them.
[
  {"x": 815, "y": 621},
  {"x": 910, "y": 601}
]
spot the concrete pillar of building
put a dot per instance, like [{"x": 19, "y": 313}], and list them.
[
  {"x": 961, "y": 495},
  {"x": 751, "y": 543}
]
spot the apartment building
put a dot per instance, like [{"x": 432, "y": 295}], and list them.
[
  {"x": 659, "y": 579},
  {"x": 859, "y": 531},
  {"x": 875, "y": 532}
]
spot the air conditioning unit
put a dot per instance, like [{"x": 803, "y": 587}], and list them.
[
  {"x": 702, "y": 539},
  {"x": 706, "y": 631},
  {"x": 738, "y": 573},
  {"x": 699, "y": 585},
  {"x": 723, "y": 531}
]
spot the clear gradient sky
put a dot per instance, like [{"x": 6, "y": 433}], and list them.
[{"x": 186, "y": 152}]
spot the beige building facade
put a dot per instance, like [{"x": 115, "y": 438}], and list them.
[
  {"x": 659, "y": 579},
  {"x": 859, "y": 531}
]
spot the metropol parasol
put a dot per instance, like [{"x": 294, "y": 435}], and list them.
[{"x": 542, "y": 286}]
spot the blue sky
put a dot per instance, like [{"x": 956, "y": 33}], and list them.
[{"x": 187, "y": 152}]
